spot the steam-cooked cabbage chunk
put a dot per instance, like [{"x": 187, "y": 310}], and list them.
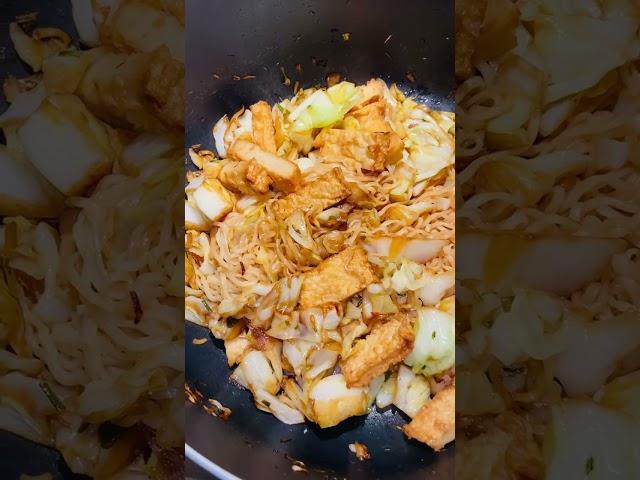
[
  {"x": 515, "y": 260},
  {"x": 213, "y": 200},
  {"x": 193, "y": 218},
  {"x": 429, "y": 141},
  {"x": 281, "y": 410},
  {"x": 332, "y": 401},
  {"x": 592, "y": 350},
  {"x": 256, "y": 373},
  {"x": 586, "y": 437},
  {"x": 23, "y": 191},
  {"x": 67, "y": 144},
  {"x": 323, "y": 108},
  {"x": 412, "y": 391},
  {"x": 434, "y": 346},
  {"x": 574, "y": 58}
]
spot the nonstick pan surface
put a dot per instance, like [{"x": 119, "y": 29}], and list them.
[{"x": 408, "y": 42}]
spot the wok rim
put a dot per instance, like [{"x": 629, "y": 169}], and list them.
[{"x": 206, "y": 464}]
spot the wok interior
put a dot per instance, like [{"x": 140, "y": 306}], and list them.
[{"x": 274, "y": 40}]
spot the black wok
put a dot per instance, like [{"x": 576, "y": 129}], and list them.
[{"x": 227, "y": 41}]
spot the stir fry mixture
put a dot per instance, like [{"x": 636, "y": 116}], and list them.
[
  {"x": 92, "y": 361},
  {"x": 320, "y": 248},
  {"x": 548, "y": 237}
]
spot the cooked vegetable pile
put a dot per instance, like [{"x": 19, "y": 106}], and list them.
[{"x": 320, "y": 248}]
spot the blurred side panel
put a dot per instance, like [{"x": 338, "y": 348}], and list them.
[
  {"x": 548, "y": 231},
  {"x": 91, "y": 296}
]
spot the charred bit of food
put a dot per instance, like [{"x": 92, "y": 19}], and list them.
[{"x": 361, "y": 451}]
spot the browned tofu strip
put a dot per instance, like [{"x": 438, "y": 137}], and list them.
[
  {"x": 264, "y": 132},
  {"x": 469, "y": 16},
  {"x": 323, "y": 192},
  {"x": 372, "y": 117},
  {"x": 372, "y": 150},
  {"x": 232, "y": 175},
  {"x": 435, "y": 423},
  {"x": 240, "y": 176},
  {"x": 258, "y": 177},
  {"x": 387, "y": 344},
  {"x": 336, "y": 278},
  {"x": 285, "y": 174},
  {"x": 373, "y": 90}
]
